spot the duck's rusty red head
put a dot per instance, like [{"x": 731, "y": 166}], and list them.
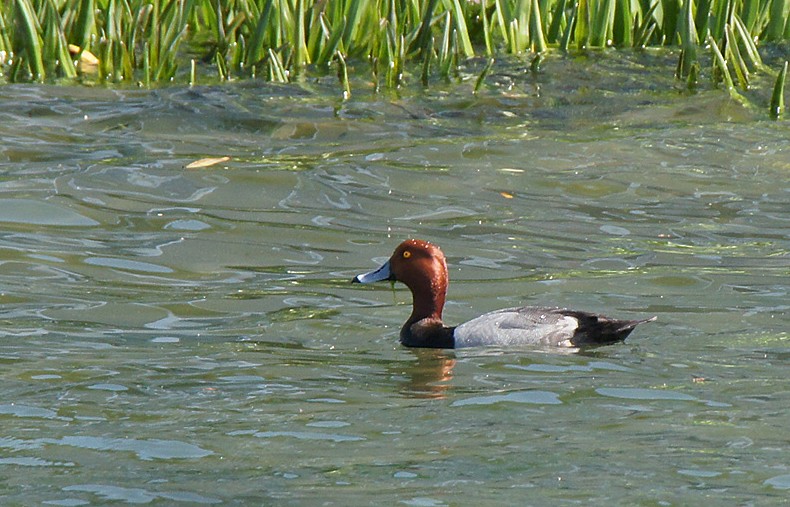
[{"x": 422, "y": 267}]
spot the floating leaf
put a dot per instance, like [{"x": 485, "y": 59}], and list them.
[{"x": 206, "y": 162}]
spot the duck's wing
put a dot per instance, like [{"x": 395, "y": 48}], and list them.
[{"x": 528, "y": 325}]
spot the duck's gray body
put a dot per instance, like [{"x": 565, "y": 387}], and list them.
[{"x": 528, "y": 325}]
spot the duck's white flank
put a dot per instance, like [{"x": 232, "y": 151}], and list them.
[{"x": 517, "y": 326}]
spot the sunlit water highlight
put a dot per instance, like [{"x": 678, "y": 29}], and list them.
[{"x": 175, "y": 336}]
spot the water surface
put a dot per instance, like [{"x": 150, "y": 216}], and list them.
[{"x": 189, "y": 336}]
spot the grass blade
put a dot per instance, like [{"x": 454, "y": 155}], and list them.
[
  {"x": 749, "y": 12},
  {"x": 85, "y": 27},
  {"x": 582, "y": 32},
  {"x": 502, "y": 11},
  {"x": 777, "y": 98},
  {"x": 342, "y": 74},
  {"x": 255, "y": 49},
  {"x": 688, "y": 39},
  {"x": 427, "y": 56},
  {"x": 424, "y": 37},
  {"x": 721, "y": 64},
  {"x": 481, "y": 78},
  {"x": 301, "y": 56},
  {"x": 5, "y": 37},
  {"x": 222, "y": 67},
  {"x": 60, "y": 47},
  {"x": 776, "y": 20},
  {"x": 702, "y": 18},
  {"x": 622, "y": 30},
  {"x": 536, "y": 31},
  {"x": 671, "y": 13},
  {"x": 644, "y": 30},
  {"x": 463, "y": 32},
  {"x": 332, "y": 43},
  {"x": 602, "y": 19},
  {"x": 556, "y": 21},
  {"x": 487, "y": 33},
  {"x": 747, "y": 43},
  {"x": 569, "y": 30},
  {"x": 277, "y": 72},
  {"x": 741, "y": 72},
  {"x": 722, "y": 13},
  {"x": 147, "y": 65},
  {"x": 32, "y": 38}
]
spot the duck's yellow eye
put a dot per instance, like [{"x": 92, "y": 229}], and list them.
[{"x": 406, "y": 254}]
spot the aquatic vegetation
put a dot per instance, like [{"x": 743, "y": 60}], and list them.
[
  {"x": 777, "y": 98},
  {"x": 145, "y": 41}
]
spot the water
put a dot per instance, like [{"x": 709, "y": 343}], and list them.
[{"x": 177, "y": 336}]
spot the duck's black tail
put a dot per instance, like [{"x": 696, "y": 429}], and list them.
[{"x": 599, "y": 330}]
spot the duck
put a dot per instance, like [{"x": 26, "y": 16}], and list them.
[{"x": 422, "y": 267}]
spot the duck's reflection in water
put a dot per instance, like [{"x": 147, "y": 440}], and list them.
[{"x": 429, "y": 375}]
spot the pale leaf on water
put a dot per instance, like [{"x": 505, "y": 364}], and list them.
[{"x": 206, "y": 162}]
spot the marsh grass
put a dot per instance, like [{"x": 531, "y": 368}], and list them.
[
  {"x": 777, "y": 98},
  {"x": 145, "y": 41}
]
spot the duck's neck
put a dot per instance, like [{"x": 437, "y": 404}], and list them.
[
  {"x": 425, "y": 328},
  {"x": 426, "y": 305},
  {"x": 428, "y": 296}
]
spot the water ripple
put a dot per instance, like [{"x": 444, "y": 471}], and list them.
[
  {"x": 629, "y": 393},
  {"x": 27, "y": 211},
  {"x": 528, "y": 397},
  {"x": 139, "y": 495},
  {"x": 28, "y": 411},
  {"x": 302, "y": 435},
  {"x": 144, "y": 449}
]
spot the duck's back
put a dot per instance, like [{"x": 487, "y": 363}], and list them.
[{"x": 528, "y": 325}]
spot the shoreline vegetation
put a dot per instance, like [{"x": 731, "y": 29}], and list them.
[{"x": 146, "y": 42}]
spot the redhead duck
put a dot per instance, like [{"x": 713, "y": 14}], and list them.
[{"x": 422, "y": 267}]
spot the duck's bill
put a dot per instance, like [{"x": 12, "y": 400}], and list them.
[{"x": 383, "y": 273}]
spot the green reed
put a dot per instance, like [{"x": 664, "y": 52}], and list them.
[
  {"x": 280, "y": 40},
  {"x": 777, "y": 98}
]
